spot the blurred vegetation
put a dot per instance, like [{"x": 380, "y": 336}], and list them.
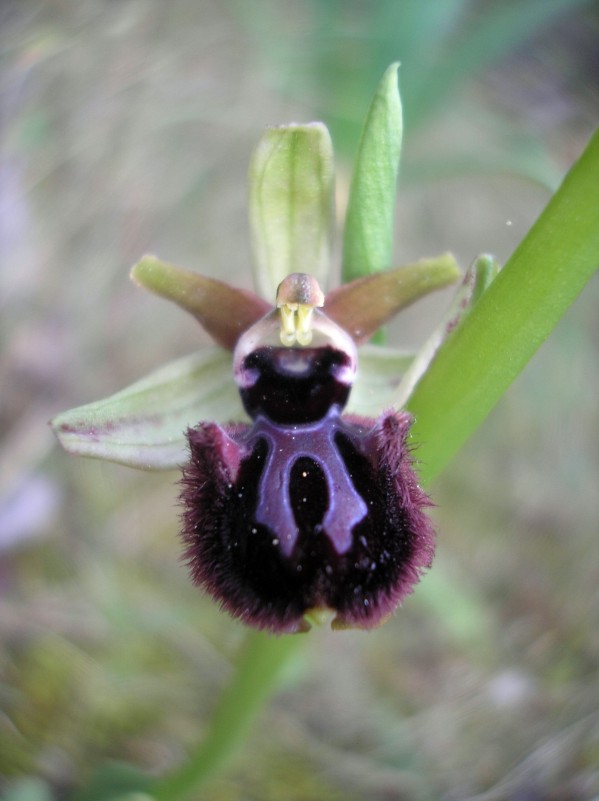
[{"x": 128, "y": 128}]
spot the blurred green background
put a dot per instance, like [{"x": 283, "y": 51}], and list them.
[{"x": 127, "y": 127}]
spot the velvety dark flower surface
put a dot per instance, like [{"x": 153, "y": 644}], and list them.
[{"x": 304, "y": 509}]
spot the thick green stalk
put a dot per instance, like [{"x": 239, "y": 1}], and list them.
[{"x": 260, "y": 666}]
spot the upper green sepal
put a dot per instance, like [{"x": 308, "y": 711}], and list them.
[{"x": 291, "y": 194}]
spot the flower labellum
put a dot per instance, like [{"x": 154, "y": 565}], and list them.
[{"x": 303, "y": 510}]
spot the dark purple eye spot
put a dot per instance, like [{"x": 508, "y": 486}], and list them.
[
  {"x": 295, "y": 385},
  {"x": 344, "y": 505}
]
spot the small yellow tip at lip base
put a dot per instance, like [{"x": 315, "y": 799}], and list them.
[
  {"x": 297, "y": 296},
  {"x": 317, "y": 617}
]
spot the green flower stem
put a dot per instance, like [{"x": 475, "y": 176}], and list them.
[
  {"x": 261, "y": 664},
  {"x": 513, "y": 317}
]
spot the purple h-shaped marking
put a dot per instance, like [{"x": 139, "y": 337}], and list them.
[{"x": 316, "y": 441}]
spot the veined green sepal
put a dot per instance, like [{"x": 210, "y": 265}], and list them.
[
  {"x": 477, "y": 279},
  {"x": 291, "y": 194}
]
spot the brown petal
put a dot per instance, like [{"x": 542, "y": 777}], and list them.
[
  {"x": 222, "y": 310},
  {"x": 364, "y": 305}
]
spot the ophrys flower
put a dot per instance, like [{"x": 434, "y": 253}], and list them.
[{"x": 289, "y": 507}]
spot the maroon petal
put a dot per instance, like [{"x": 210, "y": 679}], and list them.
[
  {"x": 222, "y": 310},
  {"x": 364, "y": 305}
]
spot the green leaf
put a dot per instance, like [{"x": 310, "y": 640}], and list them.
[
  {"x": 365, "y": 304},
  {"x": 291, "y": 191},
  {"x": 514, "y": 316},
  {"x": 143, "y": 425},
  {"x": 368, "y": 232},
  {"x": 222, "y": 310},
  {"x": 379, "y": 372}
]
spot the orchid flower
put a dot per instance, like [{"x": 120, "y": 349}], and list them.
[{"x": 291, "y": 508}]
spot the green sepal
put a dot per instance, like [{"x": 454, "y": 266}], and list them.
[
  {"x": 380, "y": 370},
  {"x": 369, "y": 221},
  {"x": 478, "y": 277},
  {"x": 144, "y": 425},
  {"x": 291, "y": 194}
]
